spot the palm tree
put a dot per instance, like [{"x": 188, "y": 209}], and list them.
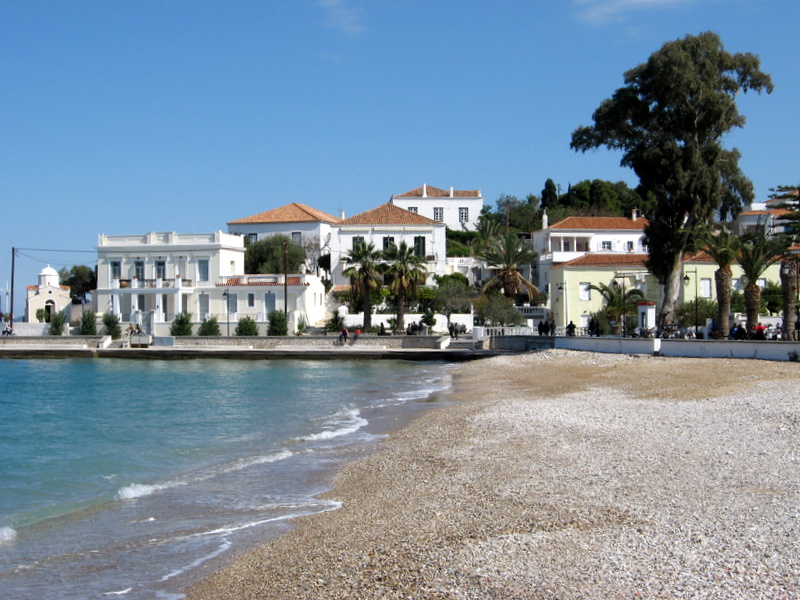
[
  {"x": 617, "y": 303},
  {"x": 723, "y": 247},
  {"x": 506, "y": 254},
  {"x": 756, "y": 254},
  {"x": 365, "y": 273},
  {"x": 407, "y": 272}
]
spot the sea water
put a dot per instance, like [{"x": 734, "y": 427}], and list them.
[{"x": 131, "y": 478}]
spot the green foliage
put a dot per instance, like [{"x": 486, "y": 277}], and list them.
[
  {"x": 706, "y": 309},
  {"x": 41, "y": 315},
  {"x": 669, "y": 122},
  {"x": 507, "y": 254},
  {"x": 111, "y": 324},
  {"x": 277, "y": 323},
  {"x": 334, "y": 323},
  {"x": 246, "y": 327},
  {"x": 269, "y": 255},
  {"x": 81, "y": 281},
  {"x": 429, "y": 318},
  {"x": 772, "y": 297},
  {"x": 88, "y": 323},
  {"x": 406, "y": 273},
  {"x": 181, "y": 325},
  {"x": 364, "y": 271},
  {"x": 209, "y": 327},
  {"x": 603, "y": 324},
  {"x": 57, "y": 323},
  {"x": 453, "y": 295},
  {"x": 495, "y": 309},
  {"x": 737, "y": 302}
]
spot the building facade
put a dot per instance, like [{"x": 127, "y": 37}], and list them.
[
  {"x": 148, "y": 279},
  {"x": 456, "y": 209}
]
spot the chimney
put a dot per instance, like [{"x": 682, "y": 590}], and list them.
[
  {"x": 633, "y": 214},
  {"x": 424, "y": 190},
  {"x": 341, "y": 215},
  {"x": 451, "y": 191},
  {"x": 544, "y": 219}
]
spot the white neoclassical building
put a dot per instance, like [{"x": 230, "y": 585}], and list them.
[
  {"x": 148, "y": 279},
  {"x": 457, "y": 209}
]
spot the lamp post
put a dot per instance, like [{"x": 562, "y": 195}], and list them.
[
  {"x": 686, "y": 280},
  {"x": 227, "y": 311}
]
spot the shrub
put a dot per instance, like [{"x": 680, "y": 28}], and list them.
[
  {"x": 57, "y": 322},
  {"x": 181, "y": 325},
  {"x": 111, "y": 323},
  {"x": 246, "y": 326},
  {"x": 88, "y": 323},
  {"x": 277, "y": 323},
  {"x": 41, "y": 314},
  {"x": 335, "y": 323},
  {"x": 209, "y": 327}
]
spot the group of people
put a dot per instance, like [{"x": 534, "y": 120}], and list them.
[
  {"x": 454, "y": 329},
  {"x": 547, "y": 327},
  {"x": 764, "y": 332},
  {"x": 345, "y": 334}
]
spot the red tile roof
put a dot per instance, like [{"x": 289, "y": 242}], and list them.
[
  {"x": 778, "y": 212},
  {"x": 389, "y": 214},
  {"x": 601, "y": 259},
  {"x": 432, "y": 192},
  {"x": 289, "y": 213},
  {"x": 237, "y": 282},
  {"x": 600, "y": 223}
]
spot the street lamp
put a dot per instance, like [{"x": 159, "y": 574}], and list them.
[
  {"x": 227, "y": 311},
  {"x": 686, "y": 280}
]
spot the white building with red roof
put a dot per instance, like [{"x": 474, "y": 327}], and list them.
[
  {"x": 765, "y": 214},
  {"x": 457, "y": 209},
  {"x": 307, "y": 227},
  {"x": 385, "y": 226}
]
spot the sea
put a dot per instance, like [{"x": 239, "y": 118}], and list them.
[{"x": 131, "y": 479}]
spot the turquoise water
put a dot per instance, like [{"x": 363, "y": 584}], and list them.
[{"x": 125, "y": 478}]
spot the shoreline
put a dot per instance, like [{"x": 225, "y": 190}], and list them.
[{"x": 566, "y": 475}]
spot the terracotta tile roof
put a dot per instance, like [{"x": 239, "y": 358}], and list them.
[
  {"x": 600, "y": 259},
  {"x": 289, "y": 213},
  {"x": 698, "y": 257},
  {"x": 600, "y": 223},
  {"x": 778, "y": 212},
  {"x": 432, "y": 192},
  {"x": 389, "y": 214}
]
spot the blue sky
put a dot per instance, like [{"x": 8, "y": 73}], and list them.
[{"x": 126, "y": 117}]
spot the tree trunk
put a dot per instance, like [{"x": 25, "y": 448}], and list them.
[
  {"x": 367, "y": 304},
  {"x": 672, "y": 288},
  {"x": 401, "y": 310},
  {"x": 752, "y": 304},
  {"x": 789, "y": 287},
  {"x": 723, "y": 278}
]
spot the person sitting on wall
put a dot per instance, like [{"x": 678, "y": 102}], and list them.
[{"x": 571, "y": 329}]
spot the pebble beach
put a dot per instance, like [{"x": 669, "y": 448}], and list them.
[{"x": 562, "y": 475}]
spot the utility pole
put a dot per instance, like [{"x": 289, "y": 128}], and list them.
[
  {"x": 11, "y": 307},
  {"x": 285, "y": 280}
]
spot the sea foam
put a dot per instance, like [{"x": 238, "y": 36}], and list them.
[{"x": 7, "y": 535}]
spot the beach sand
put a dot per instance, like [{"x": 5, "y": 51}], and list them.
[{"x": 562, "y": 475}]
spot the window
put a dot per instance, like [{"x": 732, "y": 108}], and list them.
[
  {"x": 116, "y": 269},
  {"x": 138, "y": 269},
  {"x": 251, "y": 300},
  {"x": 388, "y": 242},
  {"x": 297, "y": 238},
  {"x": 605, "y": 245},
  {"x": 252, "y": 237},
  {"x": 705, "y": 287},
  {"x": 202, "y": 306},
  {"x": 629, "y": 246},
  {"x": 585, "y": 292},
  {"x": 269, "y": 302},
  {"x": 463, "y": 215},
  {"x": 438, "y": 214},
  {"x": 140, "y": 302},
  {"x": 161, "y": 269},
  {"x": 233, "y": 302},
  {"x": 419, "y": 246},
  {"x": 202, "y": 269},
  {"x": 357, "y": 241},
  {"x": 566, "y": 246},
  {"x": 412, "y": 209}
]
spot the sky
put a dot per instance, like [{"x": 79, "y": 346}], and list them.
[{"x": 176, "y": 115}]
